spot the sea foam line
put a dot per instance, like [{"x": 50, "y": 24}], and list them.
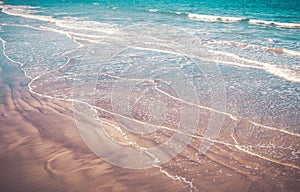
[
  {"x": 270, "y": 68},
  {"x": 227, "y": 19},
  {"x": 270, "y": 49},
  {"x": 22, "y": 11},
  {"x": 176, "y": 177},
  {"x": 213, "y": 18},
  {"x": 274, "y": 23}
]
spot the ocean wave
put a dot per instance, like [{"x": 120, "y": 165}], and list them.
[
  {"x": 216, "y": 18},
  {"x": 67, "y": 22},
  {"x": 232, "y": 59},
  {"x": 273, "y": 23},
  {"x": 153, "y": 10},
  {"x": 282, "y": 51},
  {"x": 72, "y": 27},
  {"x": 167, "y": 12},
  {"x": 25, "y": 11},
  {"x": 278, "y": 50},
  {"x": 213, "y": 18},
  {"x": 291, "y": 52}
]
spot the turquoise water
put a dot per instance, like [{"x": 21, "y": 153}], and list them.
[
  {"x": 256, "y": 45},
  {"x": 278, "y": 24}
]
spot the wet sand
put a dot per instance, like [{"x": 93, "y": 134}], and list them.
[{"x": 41, "y": 150}]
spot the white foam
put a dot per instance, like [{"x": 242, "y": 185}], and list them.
[
  {"x": 291, "y": 52},
  {"x": 153, "y": 10},
  {"x": 24, "y": 11},
  {"x": 76, "y": 36},
  {"x": 287, "y": 74},
  {"x": 213, "y": 18},
  {"x": 177, "y": 178},
  {"x": 284, "y": 73},
  {"x": 68, "y": 23},
  {"x": 93, "y": 26},
  {"x": 273, "y": 23},
  {"x": 216, "y": 18},
  {"x": 253, "y": 46},
  {"x": 72, "y": 27}
]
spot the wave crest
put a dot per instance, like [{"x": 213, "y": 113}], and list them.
[
  {"x": 213, "y": 18},
  {"x": 273, "y": 23},
  {"x": 216, "y": 18},
  {"x": 278, "y": 50}
]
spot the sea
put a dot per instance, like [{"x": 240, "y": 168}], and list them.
[{"x": 237, "y": 58}]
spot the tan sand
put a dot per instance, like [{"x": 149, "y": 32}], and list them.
[{"x": 41, "y": 149}]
